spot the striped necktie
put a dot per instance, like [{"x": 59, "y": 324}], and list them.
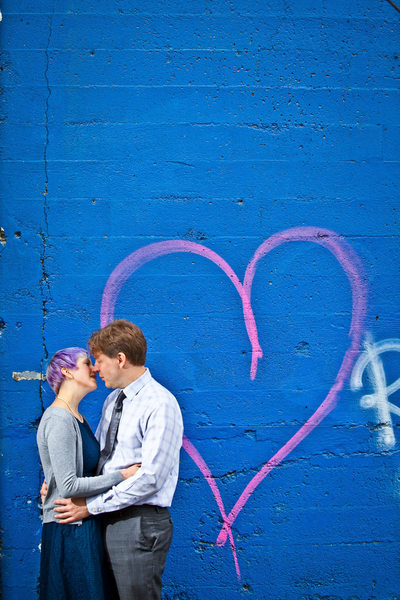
[{"x": 112, "y": 432}]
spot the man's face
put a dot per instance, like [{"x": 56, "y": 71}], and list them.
[{"x": 108, "y": 369}]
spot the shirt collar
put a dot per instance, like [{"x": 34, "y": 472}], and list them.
[{"x": 134, "y": 388}]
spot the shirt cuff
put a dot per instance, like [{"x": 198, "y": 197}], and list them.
[
  {"x": 95, "y": 504},
  {"x": 103, "y": 503}
]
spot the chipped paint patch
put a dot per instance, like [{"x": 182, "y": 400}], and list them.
[{"x": 28, "y": 375}]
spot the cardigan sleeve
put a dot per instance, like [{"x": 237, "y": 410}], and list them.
[{"x": 61, "y": 438}]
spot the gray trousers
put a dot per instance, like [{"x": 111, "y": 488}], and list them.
[{"x": 137, "y": 541}]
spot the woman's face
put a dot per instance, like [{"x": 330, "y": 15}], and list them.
[{"x": 84, "y": 373}]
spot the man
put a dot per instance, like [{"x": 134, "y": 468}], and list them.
[{"x": 137, "y": 523}]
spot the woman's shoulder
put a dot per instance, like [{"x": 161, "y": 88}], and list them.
[
  {"x": 56, "y": 416},
  {"x": 57, "y": 412}
]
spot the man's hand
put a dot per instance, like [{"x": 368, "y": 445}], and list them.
[
  {"x": 43, "y": 491},
  {"x": 69, "y": 510}
]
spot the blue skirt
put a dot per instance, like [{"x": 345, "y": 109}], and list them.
[{"x": 72, "y": 564}]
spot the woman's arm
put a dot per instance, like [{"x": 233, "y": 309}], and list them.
[
  {"x": 61, "y": 437},
  {"x": 126, "y": 473}
]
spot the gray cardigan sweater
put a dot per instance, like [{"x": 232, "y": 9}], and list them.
[{"x": 60, "y": 447}]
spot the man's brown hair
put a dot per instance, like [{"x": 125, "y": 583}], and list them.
[{"x": 120, "y": 336}]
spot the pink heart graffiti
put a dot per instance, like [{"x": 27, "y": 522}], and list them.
[{"x": 350, "y": 264}]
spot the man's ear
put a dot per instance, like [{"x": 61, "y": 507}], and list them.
[{"x": 122, "y": 360}]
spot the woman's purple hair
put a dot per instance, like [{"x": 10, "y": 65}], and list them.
[{"x": 63, "y": 359}]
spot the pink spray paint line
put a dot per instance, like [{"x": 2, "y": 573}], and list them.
[
  {"x": 202, "y": 465},
  {"x": 350, "y": 263},
  {"x": 137, "y": 259}
]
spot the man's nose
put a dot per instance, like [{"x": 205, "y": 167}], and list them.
[{"x": 96, "y": 368}]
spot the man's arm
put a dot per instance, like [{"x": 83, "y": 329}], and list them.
[
  {"x": 69, "y": 510},
  {"x": 160, "y": 452}
]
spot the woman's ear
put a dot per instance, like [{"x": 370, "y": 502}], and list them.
[{"x": 67, "y": 373}]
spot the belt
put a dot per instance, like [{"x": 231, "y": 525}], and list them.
[{"x": 133, "y": 511}]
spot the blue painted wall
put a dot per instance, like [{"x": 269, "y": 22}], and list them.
[{"x": 127, "y": 123}]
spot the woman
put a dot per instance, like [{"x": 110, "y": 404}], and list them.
[{"x": 72, "y": 556}]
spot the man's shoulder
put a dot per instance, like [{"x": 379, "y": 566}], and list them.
[
  {"x": 157, "y": 396},
  {"x": 156, "y": 388}
]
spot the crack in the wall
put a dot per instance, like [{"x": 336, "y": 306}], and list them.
[
  {"x": 44, "y": 233},
  {"x": 394, "y": 5}
]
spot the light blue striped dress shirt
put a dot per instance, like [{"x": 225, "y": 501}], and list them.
[{"x": 150, "y": 432}]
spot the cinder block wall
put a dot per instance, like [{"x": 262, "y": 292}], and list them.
[{"x": 245, "y": 157}]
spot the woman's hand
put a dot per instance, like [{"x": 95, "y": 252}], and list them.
[{"x": 130, "y": 471}]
